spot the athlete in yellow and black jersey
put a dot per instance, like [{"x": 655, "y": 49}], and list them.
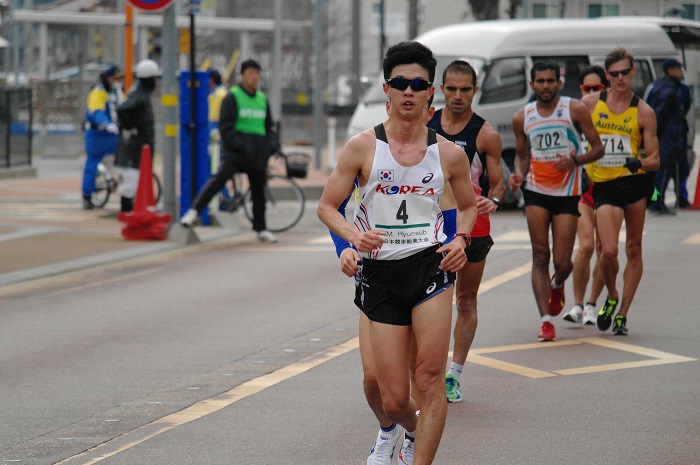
[{"x": 620, "y": 187}]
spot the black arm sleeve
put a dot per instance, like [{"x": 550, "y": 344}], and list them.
[{"x": 228, "y": 117}]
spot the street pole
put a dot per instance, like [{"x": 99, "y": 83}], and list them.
[
  {"x": 169, "y": 99},
  {"x": 382, "y": 33},
  {"x": 412, "y": 19},
  {"x": 193, "y": 108},
  {"x": 318, "y": 85},
  {"x": 356, "y": 50},
  {"x": 276, "y": 91}
]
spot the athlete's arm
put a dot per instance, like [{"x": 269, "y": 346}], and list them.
[
  {"x": 581, "y": 116},
  {"x": 521, "y": 156},
  {"x": 456, "y": 170},
  {"x": 357, "y": 151},
  {"x": 489, "y": 143},
  {"x": 647, "y": 124}
]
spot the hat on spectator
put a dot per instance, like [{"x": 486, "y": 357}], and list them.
[
  {"x": 671, "y": 63},
  {"x": 114, "y": 71}
]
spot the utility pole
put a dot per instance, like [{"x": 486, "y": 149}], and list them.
[
  {"x": 276, "y": 90},
  {"x": 318, "y": 84},
  {"x": 412, "y": 19},
  {"x": 382, "y": 33},
  {"x": 169, "y": 98},
  {"x": 356, "y": 50}
]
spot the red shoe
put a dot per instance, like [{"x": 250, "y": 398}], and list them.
[
  {"x": 547, "y": 332},
  {"x": 556, "y": 299}
]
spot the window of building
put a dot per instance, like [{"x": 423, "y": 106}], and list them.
[
  {"x": 545, "y": 10},
  {"x": 690, "y": 11},
  {"x": 596, "y": 10}
]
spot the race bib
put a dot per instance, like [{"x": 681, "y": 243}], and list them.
[
  {"x": 617, "y": 149},
  {"x": 548, "y": 144},
  {"x": 406, "y": 218}
]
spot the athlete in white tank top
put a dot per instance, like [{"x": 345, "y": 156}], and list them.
[{"x": 404, "y": 201}]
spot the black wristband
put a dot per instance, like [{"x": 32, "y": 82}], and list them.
[
  {"x": 575, "y": 159},
  {"x": 498, "y": 203}
]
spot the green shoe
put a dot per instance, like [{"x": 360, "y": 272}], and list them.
[
  {"x": 619, "y": 325},
  {"x": 454, "y": 393},
  {"x": 606, "y": 314}
]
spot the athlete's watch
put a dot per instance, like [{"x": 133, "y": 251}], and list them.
[
  {"x": 467, "y": 239},
  {"x": 498, "y": 203}
]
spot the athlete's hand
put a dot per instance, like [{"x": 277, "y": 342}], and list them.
[
  {"x": 349, "y": 262},
  {"x": 564, "y": 163},
  {"x": 369, "y": 240},
  {"x": 632, "y": 164},
  {"x": 456, "y": 258},
  {"x": 515, "y": 181},
  {"x": 485, "y": 206}
]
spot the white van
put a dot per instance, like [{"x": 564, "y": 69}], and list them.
[{"x": 503, "y": 52}]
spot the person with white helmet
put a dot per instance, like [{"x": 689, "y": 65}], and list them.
[{"x": 138, "y": 128}]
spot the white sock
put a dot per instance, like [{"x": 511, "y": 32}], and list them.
[
  {"x": 547, "y": 319},
  {"x": 577, "y": 305},
  {"x": 455, "y": 370},
  {"x": 411, "y": 435}
]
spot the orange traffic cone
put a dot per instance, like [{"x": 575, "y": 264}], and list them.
[
  {"x": 696, "y": 202},
  {"x": 144, "y": 222}
]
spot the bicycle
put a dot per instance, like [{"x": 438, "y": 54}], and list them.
[
  {"x": 284, "y": 199},
  {"x": 107, "y": 182}
]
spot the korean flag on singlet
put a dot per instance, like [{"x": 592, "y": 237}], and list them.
[{"x": 385, "y": 176}]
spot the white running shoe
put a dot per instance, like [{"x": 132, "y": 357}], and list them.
[
  {"x": 574, "y": 314},
  {"x": 590, "y": 316},
  {"x": 382, "y": 451},
  {"x": 266, "y": 236},
  {"x": 189, "y": 218},
  {"x": 406, "y": 453}
]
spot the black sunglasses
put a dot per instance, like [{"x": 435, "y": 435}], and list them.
[
  {"x": 624, "y": 72},
  {"x": 417, "y": 85}
]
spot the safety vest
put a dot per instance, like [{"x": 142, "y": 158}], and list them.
[{"x": 252, "y": 111}]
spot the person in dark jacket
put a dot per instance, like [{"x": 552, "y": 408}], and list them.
[
  {"x": 666, "y": 98},
  {"x": 248, "y": 140},
  {"x": 137, "y": 126}
]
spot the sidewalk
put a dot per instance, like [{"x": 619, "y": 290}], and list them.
[{"x": 44, "y": 231}]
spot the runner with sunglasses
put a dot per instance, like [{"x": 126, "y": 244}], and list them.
[
  {"x": 621, "y": 188},
  {"x": 548, "y": 164},
  {"x": 591, "y": 79},
  {"x": 402, "y": 167}
]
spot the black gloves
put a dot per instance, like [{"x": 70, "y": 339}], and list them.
[{"x": 632, "y": 164}]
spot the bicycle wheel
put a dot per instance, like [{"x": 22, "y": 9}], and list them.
[
  {"x": 284, "y": 203},
  {"x": 100, "y": 195},
  {"x": 157, "y": 189}
]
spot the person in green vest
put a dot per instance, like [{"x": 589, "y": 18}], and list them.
[{"x": 248, "y": 140}]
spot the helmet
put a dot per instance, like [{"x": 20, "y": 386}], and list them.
[{"x": 147, "y": 68}]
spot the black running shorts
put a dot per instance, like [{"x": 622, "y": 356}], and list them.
[
  {"x": 388, "y": 290},
  {"x": 479, "y": 249},
  {"x": 623, "y": 191},
  {"x": 557, "y": 205}
]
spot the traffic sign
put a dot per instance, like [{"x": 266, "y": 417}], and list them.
[{"x": 150, "y": 5}]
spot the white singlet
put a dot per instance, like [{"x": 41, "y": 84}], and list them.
[{"x": 404, "y": 201}]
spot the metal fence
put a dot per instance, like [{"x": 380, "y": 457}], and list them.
[{"x": 15, "y": 127}]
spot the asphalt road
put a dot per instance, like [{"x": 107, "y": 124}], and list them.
[{"x": 231, "y": 352}]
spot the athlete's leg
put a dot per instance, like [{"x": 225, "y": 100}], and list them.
[
  {"x": 538, "y": 221},
  {"x": 608, "y": 224},
  {"x": 598, "y": 282},
  {"x": 586, "y": 246},
  {"x": 468, "y": 281},
  {"x": 431, "y": 323},
  {"x": 390, "y": 346},
  {"x": 634, "y": 221},
  {"x": 563, "y": 238},
  {"x": 369, "y": 381}
]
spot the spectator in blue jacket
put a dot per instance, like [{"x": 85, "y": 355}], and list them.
[
  {"x": 101, "y": 130},
  {"x": 670, "y": 102}
]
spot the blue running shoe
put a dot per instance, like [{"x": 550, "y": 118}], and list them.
[{"x": 454, "y": 393}]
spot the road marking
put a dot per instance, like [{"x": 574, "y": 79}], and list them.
[
  {"x": 109, "y": 281},
  {"x": 656, "y": 357},
  {"x": 208, "y": 406},
  {"x": 693, "y": 239}
]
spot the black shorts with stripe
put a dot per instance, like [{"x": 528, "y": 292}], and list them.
[{"x": 388, "y": 290}]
